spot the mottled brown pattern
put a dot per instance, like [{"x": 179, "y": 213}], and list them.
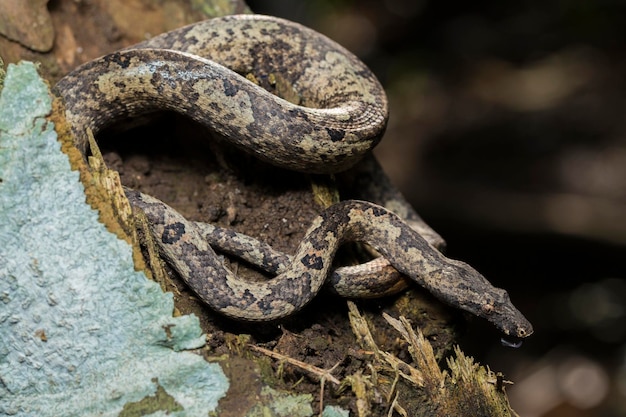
[
  {"x": 341, "y": 114},
  {"x": 301, "y": 276},
  {"x": 195, "y": 71}
]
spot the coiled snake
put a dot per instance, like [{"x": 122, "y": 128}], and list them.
[{"x": 341, "y": 116}]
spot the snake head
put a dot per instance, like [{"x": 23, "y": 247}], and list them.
[
  {"x": 498, "y": 309},
  {"x": 467, "y": 289}
]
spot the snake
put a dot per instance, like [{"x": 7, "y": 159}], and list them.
[{"x": 222, "y": 73}]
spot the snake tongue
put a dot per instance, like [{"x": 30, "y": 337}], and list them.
[{"x": 511, "y": 342}]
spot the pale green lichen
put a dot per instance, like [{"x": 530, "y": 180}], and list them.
[
  {"x": 281, "y": 404},
  {"x": 81, "y": 332},
  {"x": 332, "y": 411}
]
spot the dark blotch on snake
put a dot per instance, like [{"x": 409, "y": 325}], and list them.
[
  {"x": 229, "y": 89},
  {"x": 172, "y": 233},
  {"x": 119, "y": 59},
  {"x": 378, "y": 211},
  {"x": 335, "y": 135},
  {"x": 248, "y": 298},
  {"x": 313, "y": 262}
]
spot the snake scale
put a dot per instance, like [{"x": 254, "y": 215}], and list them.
[{"x": 199, "y": 71}]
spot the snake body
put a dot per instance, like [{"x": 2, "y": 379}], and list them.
[
  {"x": 453, "y": 281},
  {"x": 339, "y": 115},
  {"x": 342, "y": 109}
]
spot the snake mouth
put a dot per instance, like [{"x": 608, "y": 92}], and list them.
[
  {"x": 519, "y": 331},
  {"x": 512, "y": 324}
]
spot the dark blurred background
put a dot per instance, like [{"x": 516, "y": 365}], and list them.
[{"x": 508, "y": 134}]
